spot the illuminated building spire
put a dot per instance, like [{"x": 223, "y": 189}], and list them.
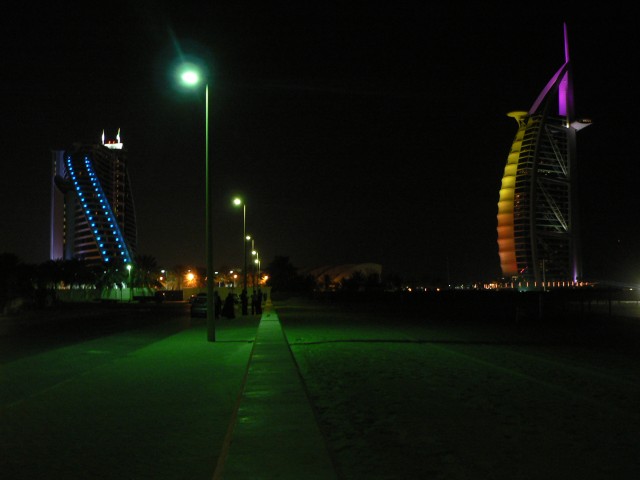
[{"x": 538, "y": 231}]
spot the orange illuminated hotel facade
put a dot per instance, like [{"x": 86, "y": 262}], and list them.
[{"x": 538, "y": 238}]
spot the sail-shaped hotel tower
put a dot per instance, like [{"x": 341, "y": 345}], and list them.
[
  {"x": 92, "y": 212},
  {"x": 538, "y": 238}
]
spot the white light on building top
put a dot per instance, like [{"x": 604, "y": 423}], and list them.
[{"x": 113, "y": 145}]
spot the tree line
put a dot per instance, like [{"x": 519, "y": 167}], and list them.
[{"x": 36, "y": 282}]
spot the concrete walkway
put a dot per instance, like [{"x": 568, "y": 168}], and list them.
[
  {"x": 133, "y": 406},
  {"x": 274, "y": 432}
]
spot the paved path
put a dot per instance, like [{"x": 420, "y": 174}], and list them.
[
  {"x": 274, "y": 432},
  {"x": 147, "y": 404}
]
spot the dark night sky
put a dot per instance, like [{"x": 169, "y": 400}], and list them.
[{"x": 373, "y": 132}]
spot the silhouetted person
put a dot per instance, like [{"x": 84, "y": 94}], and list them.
[
  {"x": 244, "y": 300},
  {"x": 254, "y": 297},
  {"x": 228, "y": 309},
  {"x": 217, "y": 304},
  {"x": 259, "y": 302}
]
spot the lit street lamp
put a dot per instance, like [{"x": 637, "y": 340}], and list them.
[
  {"x": 256, "y": 262},
  {"x": 253, "y": 254},
  {"x": 190, "y": 76},
  {"x": 238, "y": 201},
  {"x": 129, "y": 285}
]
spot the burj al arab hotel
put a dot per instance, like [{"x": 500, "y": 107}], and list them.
[{"x": 538, "y": 238}]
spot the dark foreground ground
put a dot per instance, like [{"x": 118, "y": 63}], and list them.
[
  {"x": 468, "y": 395},
  {"x": 400, "y": 390}
]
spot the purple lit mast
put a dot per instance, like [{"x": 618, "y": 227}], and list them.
[{"x": 538, "y": 234}]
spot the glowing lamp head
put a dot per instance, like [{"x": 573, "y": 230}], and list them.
[
  {"x": 190, "y": 74},
  {"x": 190, "y": 77}
]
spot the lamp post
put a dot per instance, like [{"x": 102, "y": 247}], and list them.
[
  {"x": 255, "y": 264},
  {"x": 130, "y": 290},
  {"x": 253, "y": 273},
  {"x": 238, "y": 201},
  {"x": 190, "y": 76},
  {"x": 246, "y": 270}
]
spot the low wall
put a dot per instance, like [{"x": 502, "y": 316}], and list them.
[{"x": 224, "y": 291}]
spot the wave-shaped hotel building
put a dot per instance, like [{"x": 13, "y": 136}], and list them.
[
  {"x": 538, "y": 237},
  {"x": 92, "y": 211}
]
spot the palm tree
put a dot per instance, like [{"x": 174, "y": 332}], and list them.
[
  {"x": 50, "y": 273},
  {"x": 146, "y": 272},
  {"x": 283, "y": 275},
  {"x": 179, "y": 271},
  {"x": 16, "y": 278},
  {"x": 73, "y": 272},
  {"x": 111, "y": 275}
]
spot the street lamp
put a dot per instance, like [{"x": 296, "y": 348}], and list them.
[
  {"x": 238, "y": 201},
  {"x": 130, "y": 290},
  {"x": 190, "y": 76},
  {"x": 246, "y": 270},
  {"x": 257, "y": 262},
  {"x": 256, "y": 269},
  {"x": 253, "y": 254}
]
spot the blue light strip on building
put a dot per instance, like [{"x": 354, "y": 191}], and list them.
[{"x": 100, "y": 205}]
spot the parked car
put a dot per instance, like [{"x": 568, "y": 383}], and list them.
[
  {"x": 193, "y": 297},
  {"x": 199, "y": 305}
]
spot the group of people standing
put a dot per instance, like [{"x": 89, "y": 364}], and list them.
[{"x": 227, "y": 309}]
